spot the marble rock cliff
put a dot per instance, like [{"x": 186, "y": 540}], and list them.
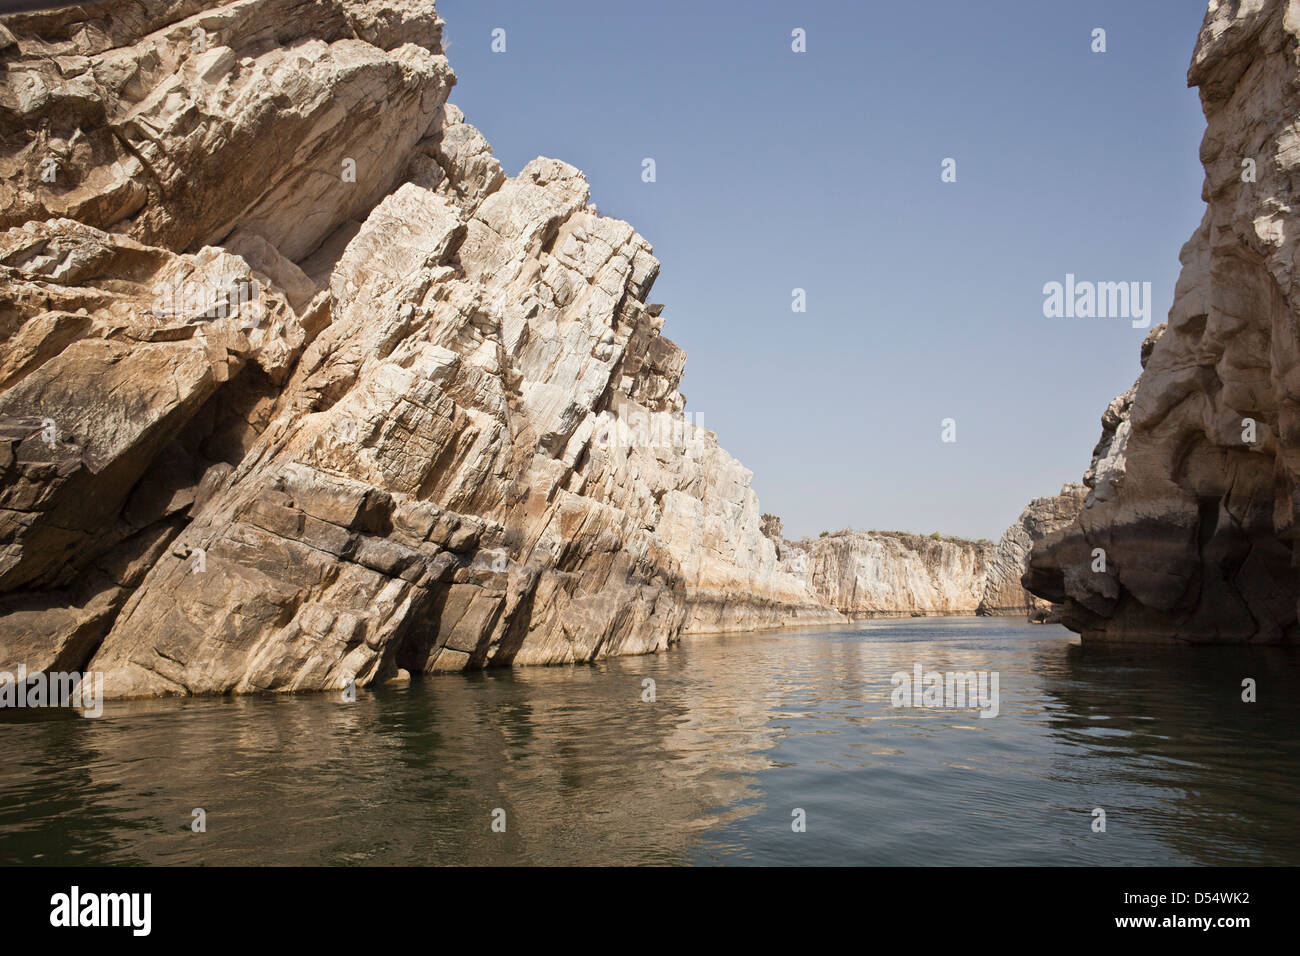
[
  {"x": 298, "y": 387},
  {"x": 1189, "y": 529},
  {"x": 888, "y": 573},
  {"x": 892, "y": 573}
]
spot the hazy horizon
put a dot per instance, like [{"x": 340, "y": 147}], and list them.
[{"x": 820, "y": 170}]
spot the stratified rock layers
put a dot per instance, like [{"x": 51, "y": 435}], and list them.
[
  {"x": 892, "y": 573},
  {"x": 1189, "y": 531},
  {"x": 299, "y": 388},
  {"x": 888, "y": 573}
]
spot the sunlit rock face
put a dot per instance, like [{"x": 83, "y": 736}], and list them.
[
  {"x": 1188, "y": 532},
  {"x": 889, "y": 573},
  {"x": 298, "y": 388},
  {"x": 892, "y": 573}
]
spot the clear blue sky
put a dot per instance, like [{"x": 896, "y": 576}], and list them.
[{"x": 821, "y": 170}]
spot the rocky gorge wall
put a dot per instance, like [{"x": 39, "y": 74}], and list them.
[
  {"x": 299, "y": 388},
  {"x": 1188, "y": 532},
  {"x": 891, "y": 573}
]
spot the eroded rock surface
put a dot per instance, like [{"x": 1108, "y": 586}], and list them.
[
  {"x": 1189, "y": 530},
  {"x": 890, "y": 573},
  {"x": 299, "y": 388},
  {"x": 1003, "y": 592}
]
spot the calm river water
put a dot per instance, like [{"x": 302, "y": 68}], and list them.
[{"x": 747, "y": 736}]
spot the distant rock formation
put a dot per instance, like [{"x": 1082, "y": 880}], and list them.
[
  {"x": 1189, "y": 531},
  {"x": 299, "y": 388},
  {"x": 891, "y": 573}
]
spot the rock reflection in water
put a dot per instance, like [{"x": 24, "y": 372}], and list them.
[{"x": 744, "y": 730}]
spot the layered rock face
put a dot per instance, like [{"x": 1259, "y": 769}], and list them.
[
  {"x": 888, "y": 573},
  {"x": 1003, "y": 592},
  {"x": 1188, "y": 532},
  {"x": 891, "y": 573},
  {"x": 299, "y": 388}
]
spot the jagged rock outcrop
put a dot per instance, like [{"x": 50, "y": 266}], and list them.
[
  {"x": 891, "y": 573},
  {"x": 1003, "y": 592},
  {"x": 1189, "y": 531},
  {"x": 299, "y": 387}
]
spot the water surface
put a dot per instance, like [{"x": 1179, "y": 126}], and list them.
[{"x": 744, "y": 731}]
